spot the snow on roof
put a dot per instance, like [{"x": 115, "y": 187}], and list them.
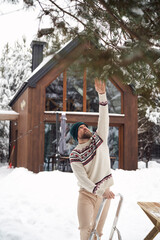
[
  {"x": 43, "y": 63},
  {"x": 8, "y": 115},
  {"x": 47, "y": 59}
]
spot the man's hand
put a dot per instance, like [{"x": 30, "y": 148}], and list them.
[
  {"x": 100, "y": 86},
  {"x": 108, "y": 194}
]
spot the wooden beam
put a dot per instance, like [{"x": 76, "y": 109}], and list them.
[
  {"x": 116, "y": 120},
  {"x": 8, "y": 115},
  {"x": 152, "y": 210},
  {"x": 64, "y": 90},
  {"x": 84, "y": 91},
  {"x": 152, "y": 234},
  {"x": 121, "y": 146}
]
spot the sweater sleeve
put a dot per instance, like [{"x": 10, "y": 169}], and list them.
[
  {"x": 83, "y": 179},
  {"x": 103, "y": 120}
]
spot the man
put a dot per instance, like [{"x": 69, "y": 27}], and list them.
[{"x": 90, "y": 163}]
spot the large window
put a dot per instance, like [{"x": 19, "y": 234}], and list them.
[
  {"x": 52, "y": 148},
  {"x": 74, "y": 90}
]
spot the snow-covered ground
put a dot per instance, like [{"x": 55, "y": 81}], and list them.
[{"x": 43, "y": 206}]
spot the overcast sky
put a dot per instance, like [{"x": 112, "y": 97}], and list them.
[{"x": 16, "y": 22}]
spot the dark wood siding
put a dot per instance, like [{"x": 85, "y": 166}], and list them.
[{"x": 20, "y": 138}]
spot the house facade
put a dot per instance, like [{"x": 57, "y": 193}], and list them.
[{"x": 61, "y": 85}]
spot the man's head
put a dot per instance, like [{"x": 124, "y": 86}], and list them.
[{"x": 80, "y": 131}]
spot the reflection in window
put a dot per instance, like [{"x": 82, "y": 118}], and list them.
[
  {"x": 50, "y": 142},
  {"x": 54, "y": 95},
  {"x": 52, "y": 155},
  {"x": 50, "y": 139},
  {"x": 114, "y": 98},
  {"x": 113, "y": 142},
  {"x": 75, "y": 87},
  {"x": 92, "y": 97}
]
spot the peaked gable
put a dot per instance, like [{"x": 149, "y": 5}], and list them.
[{"x": 46, "y": 65}]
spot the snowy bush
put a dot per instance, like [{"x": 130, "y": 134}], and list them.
[{"x": 153, "y": 115}]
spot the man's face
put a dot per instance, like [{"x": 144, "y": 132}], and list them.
[{"x": 84, "y": 132}]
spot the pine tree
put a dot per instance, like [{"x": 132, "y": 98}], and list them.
[{"x": 15, "y": 68}]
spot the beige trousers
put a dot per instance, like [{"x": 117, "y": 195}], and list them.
[{"x": 88, "y": 206}]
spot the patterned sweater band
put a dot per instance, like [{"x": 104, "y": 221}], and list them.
[
  {"x": 100, "y": 182},
  {"x": 103, "y": 103}
]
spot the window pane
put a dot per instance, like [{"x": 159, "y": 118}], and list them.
[
  {"x": 113, "y": 96},
  {"x": 113, "y": 142},
  {"x": 92, "y": 98},
  {"x": 54, "y": 95},
  {"x": 51, "y": 161},
  {"x": 50, "y": 139},
  {"x": 75, "y": 87},
  {"x": 50, "y": 145}
]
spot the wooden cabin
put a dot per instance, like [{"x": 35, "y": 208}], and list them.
[{"x": 59, "y": 84}]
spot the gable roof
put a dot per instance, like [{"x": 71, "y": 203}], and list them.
[{"x": 45, "y": 66}]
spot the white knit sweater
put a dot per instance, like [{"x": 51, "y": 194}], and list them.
[{"x": 90, "y": 161}]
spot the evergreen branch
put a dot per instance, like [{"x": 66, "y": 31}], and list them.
[
  {"x": 132, "y": 34},
  {"x": 119, "y": 21}
]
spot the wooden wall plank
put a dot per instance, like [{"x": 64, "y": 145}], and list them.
[
  {"x": 21, "y": 106},
  {"x": 121, "y": 146},
  {"x": 130, "y": 132},
  {"x": 84, "y": 91}
]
